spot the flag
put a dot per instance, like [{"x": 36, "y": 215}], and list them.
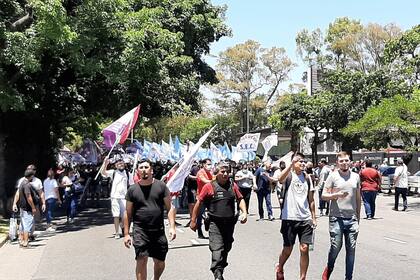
[
  {"x": 147, "y": 146},
  {"x": 287, "y": 158},
  {"x": 177, "y": 148},
  {"x": 248, "y": 142},
  {"x": 216, "y": 154},
  {"x": 120, "y": 129},
  {"x": 269, "y": 142},
  {"x": 226, "y": 151},
  {"x": 176, "y": 182}
]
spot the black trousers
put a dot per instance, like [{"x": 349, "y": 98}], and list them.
[
  {"x": 220, "y": 243},
  {"x": 246, "y": 193},
  {"x": 403, "y": 193}
]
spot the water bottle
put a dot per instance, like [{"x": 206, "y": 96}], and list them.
[{"x": 311, "y": 246}]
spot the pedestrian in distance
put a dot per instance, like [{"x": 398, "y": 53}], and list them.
[
  {"x": 263, "y": 178},
  {"x": 245, "y": 179},
  {"x": 204, "y": 176},
  {"x": 297, "y": 214},
  {"x": 324, "y": 171},
  {"x": 219, "y": 198},
  {"x": 401, "y": 184},
  {"x": 145, "y": 204},
  {"x": 52, "y": 197},
  {"x": 342, "y": 188},
  {"x": 370, "y": 185}
]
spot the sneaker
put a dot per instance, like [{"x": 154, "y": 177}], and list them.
[
  {"x": 260, "y": 219},
  {"x": 395, "y": 209},
  {"x": 117, "y": 236},
  {"x": 405, "y": 208},
  {"x": 271, "y": 218},
  {"x": 50, "y": 229},
  {"x": 187, "y": 225},
  {"x": 326, "y": 274},
  {"x": 279, "y": 273}
]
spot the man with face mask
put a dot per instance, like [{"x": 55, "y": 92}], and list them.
[
  {"x": 219, "y": 197},
  {"x": 146, "y": 201},
  {"x": 120, "y": 181},
  {"x": 342, "y": 188},
  {"x": 244, "y": 178}
]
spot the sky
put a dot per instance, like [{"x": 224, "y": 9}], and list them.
[{"x": 276, "y": 22}]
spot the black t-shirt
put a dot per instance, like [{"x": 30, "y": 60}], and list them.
[
  {"x": 192, "y": 183},
  {"x": 148, "y": 204},
  {"x": 25, "y": 188}
]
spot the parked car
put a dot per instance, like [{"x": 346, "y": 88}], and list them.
[
  {"x": 387, "y": 173},
  {"x": 414, "y": 182}
]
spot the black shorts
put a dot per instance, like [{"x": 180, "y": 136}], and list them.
[
  {"x": 150, "y": 243},
  {"x": 191, "y": 195},
  {"x": 289, "y": 230}
]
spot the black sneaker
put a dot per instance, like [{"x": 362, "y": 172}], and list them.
[{"x": 188, "y": 224}]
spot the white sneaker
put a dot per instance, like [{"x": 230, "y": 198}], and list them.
[
  {"x": 51, "y": 229},
  {"x": 117, "y": 236}
]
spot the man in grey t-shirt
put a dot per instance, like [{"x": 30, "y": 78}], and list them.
[{"x": 342, "y": 188}]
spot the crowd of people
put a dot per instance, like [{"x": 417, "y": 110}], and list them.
[{"x": 217, "y": 197}]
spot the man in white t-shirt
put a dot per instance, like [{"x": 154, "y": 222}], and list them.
[
  {"x": 245, "y": 180},
  {"x": 298, "y": 214},
  {"x": 401, "y": 184},
  {"x": 120, "y": 180}
]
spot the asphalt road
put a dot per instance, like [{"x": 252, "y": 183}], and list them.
[{"x": 387, "y": 249}]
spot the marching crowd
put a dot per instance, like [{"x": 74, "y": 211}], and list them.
[{"x": 218, "y": 196}]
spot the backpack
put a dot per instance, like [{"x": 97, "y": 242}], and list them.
[{"x": 286, "y": 186}]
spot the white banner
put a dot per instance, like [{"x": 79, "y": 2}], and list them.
[
  {"x": 176, "y": 182},
  {"x": 248, "y": 142},
  {"x": 287, "y": 158},
  {"x": 269, "y": 142}
]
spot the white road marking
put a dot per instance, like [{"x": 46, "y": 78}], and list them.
[
  {"x": 195, "y": 242},
  {"x": 395, "y": 240},
  {"x": 179, "y": 230}
]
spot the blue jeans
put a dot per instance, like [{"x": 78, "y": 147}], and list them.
[
  {"x": 50, "y": 209},
  {"x": 369, "y": 198},
  {"x": 264, "y": 194},
  {"x": 349, "y": 228},
  {"x": 71, "y": 206}
]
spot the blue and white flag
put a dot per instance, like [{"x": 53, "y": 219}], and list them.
[{"x": 176, "y": 182}]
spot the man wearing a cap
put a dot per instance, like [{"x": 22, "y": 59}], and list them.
[{"x": 401, "y": 184}]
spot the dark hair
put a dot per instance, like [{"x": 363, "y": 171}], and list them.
[
  {"x": 205, "y": 160},
  {"x": 299, "y": 154},
  {"x": 368, "y": 163},
  {"x": 31, "y": 166},
  {"x": 143, "y": 161},
  {"x": 29, "y": 173},
  {"x": 342, "y": 154},
  {"x": 221, "y": 165}
]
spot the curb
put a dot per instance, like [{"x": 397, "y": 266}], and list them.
[{"x": 3, "y": 240}]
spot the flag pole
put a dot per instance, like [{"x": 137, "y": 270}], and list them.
[{"x": 110, "y": 151}]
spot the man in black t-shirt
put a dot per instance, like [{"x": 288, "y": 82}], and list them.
[
  {"x": 145, "y": 204},
  {"x": 27, "y": 207}
]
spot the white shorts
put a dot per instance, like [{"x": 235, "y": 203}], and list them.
[{"x": 117, "y": 207}]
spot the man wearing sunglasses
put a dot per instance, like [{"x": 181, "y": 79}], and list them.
[
  {"x": 146, "y": 201},
  {"x": 342, "y": 188},
  {"x": 219, "y": 198}
]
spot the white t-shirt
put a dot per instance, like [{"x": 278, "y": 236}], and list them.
[
  {"x": 296, "y": 205},
  {"x": 247, "y": 181},
  {"x": 402, "y": 172},
  {"x": 276, "y": 176},
  {"x": 36, "y": 183},
  {"x": 119, "y": 183},
  {"x": 323, "y": 175},
  {"x": 49, "y": 188}
]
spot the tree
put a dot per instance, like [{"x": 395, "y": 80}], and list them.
[
  {"x": 247, "y": 69},
  {"x": 395, "y": 118},
  {"x": 62, "y": 61}
]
